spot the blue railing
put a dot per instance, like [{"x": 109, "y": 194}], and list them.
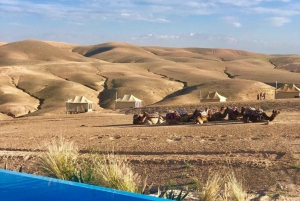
[{"x": 15, "y": 186}]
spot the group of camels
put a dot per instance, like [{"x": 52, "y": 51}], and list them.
[{"x": 246, "y": 114}]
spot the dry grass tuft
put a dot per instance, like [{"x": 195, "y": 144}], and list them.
[
  {"x": 59, "y": 160},
  {"x": 223, "y": 187},
  {"x": 114, "y": 171},
  {"x": 211, "y": 191},
  {"x": 235, "y": 189}
]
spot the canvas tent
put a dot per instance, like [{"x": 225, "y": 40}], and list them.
[
  {"x": 213, "y": 97},
  {"x": 287, "y": 91},
  {"x": 128, "y": 101},
  {"x": 79, "y": 104}
]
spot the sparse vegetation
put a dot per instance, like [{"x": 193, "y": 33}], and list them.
[
  {"x": 114, "y": 171},
  {"x": 235, "y": 189},
  {"x": 187, "y": 165},
  {"x": 171, "y": 195},
  {"x": 61, "y": 160},
  {"x": 225, "y": 187},
  {"x": 296, "y": 166},
  {"x": 193, "y": 180},
  {"x": 170, "y": 183},
  {"x": 212, "y": 188}
]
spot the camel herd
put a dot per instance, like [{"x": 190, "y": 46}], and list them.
[{"x": 245, "y": 114}]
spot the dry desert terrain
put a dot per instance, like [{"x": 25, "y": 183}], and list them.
[{"x": 37, "y": 78}]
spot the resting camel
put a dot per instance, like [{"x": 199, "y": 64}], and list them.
[
  {"x": 215, "y": 115},
  {"x": 254, "y": 115},
  {"x": 173, "y": 118},
  {"x": 234, "y": 113},
  {"x": 199, "y": 116},
  {"x": 153, "y": 118},
  {"x": 139, "y": 118}
]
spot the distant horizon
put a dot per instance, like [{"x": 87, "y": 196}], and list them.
[
  {"x": 154, "y": 45},
  {"x": 264, "y": 26}
]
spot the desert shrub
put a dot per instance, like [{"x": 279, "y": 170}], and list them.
[
  {"x": 59, "y": 160},
  {"x": 235, "y": 189},
  {"x": 114, "y": 171},
  {"x": 223, "y": 187},
  {"x": 212, "y": 188},
  {"x": 171, "y": 195}
]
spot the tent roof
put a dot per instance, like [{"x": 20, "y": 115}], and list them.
[
  {"x": 214, "y": 95},
  {"x": 79, "y": 99},
  {"x": 288, "y": 88},
  {"x": 129, "y": 98}
]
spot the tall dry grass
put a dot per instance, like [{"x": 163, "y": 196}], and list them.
[
  {"x": 212, "y": 188},
  {"x": 59, "y": 160},
  {"x": 223, "y": 186},
  {"x": 114, "y": 171},
  {"x": 235, "y": 188}
]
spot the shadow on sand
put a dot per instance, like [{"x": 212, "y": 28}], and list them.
[{"x": 213, "y": 123}]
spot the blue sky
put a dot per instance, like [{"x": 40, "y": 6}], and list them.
[{"x": 267, "y": 26}]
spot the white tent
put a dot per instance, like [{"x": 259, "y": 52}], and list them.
[
  {"x": 79, "y": 104},
  {"x": 287, "y": 91},
  {"x": 213, "y": 97},
  {"x": 128, "y": 101}
]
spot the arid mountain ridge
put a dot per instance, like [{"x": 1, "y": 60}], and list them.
[{"x": 38, "y": 77}]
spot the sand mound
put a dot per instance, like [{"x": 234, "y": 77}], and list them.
[
  {"x": 62, "y": 45},
  {"x": 33, "y": 50},
  {"x": 117, "y": 53},
  {"x": 224, "y": 54},
  {"x": 289, "y": 63}
]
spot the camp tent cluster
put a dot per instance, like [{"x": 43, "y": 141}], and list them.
[
  {"x": 79, "y": 104},
  {"x": 287, "y": 91},
  {"x": 213, "y": 97},
  {"x": 128, "y": 101}
]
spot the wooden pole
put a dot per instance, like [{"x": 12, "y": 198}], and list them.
[
  {"x": 200, "y": 96},
  {"x": 116, "y": 100}
]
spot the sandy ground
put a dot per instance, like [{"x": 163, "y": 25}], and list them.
[{"x": 264, "y": 157}]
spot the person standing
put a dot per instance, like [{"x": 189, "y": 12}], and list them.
[
  {"x": 264, "y": 95},
  {"x": 257, "y": 96}
]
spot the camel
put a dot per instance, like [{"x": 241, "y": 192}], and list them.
[
  {"x": 173, "y": 118},
  {"x": 234, "y": 113},
  {"x": 199, "y": 116},
  {"x": 139, "y": 118},
  {"x": 154, "y": 118},
  {"x": 215, "y": 115},
  {"x": 258, "y": 115}
]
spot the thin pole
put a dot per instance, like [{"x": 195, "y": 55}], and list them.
[
  {"x": 116, "y": 100},
  {"x": 200, "y": 96},
  {"x": 275, "y": 89}
]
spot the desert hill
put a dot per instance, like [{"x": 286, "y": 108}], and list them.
[
  {"x": 37, "y": 78},
  {"x": 62, "y": 45},
  {"x": 30, "y": 51},
  {"x": 117, "y": 53}
]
